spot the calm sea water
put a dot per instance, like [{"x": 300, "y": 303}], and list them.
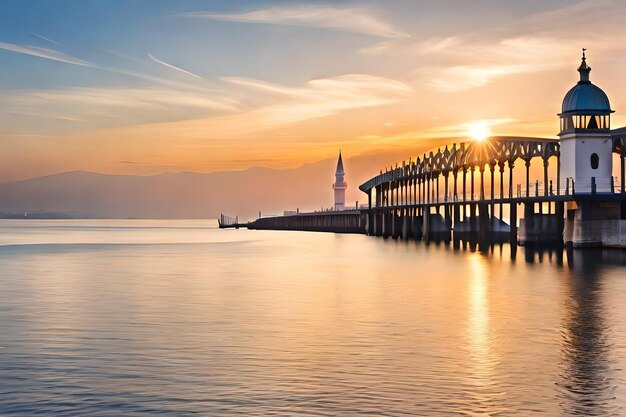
[{"x": 142, "y": 318}]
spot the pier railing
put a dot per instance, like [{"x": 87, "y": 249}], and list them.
[{"x": 225, "y": 221}]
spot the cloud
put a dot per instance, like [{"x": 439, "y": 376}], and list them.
[
  {"x": 322, "y": 97},
  {"x": 58, "y": 56},
  {"x": 544, "y": 41},
  {"x": 112, "y": 106},
  {"x": 238, "y": 106},
  {"x": 174, "y": 67},
  {"x": 581, "y": 14},
  {"x": 462, "y": 77},
  {"x": 376, "y": 49},
  {"x": 45, "y": 38},
  {"x": 347, "y": 19},
  {"x": 467, "y": 63},
  {"x": 44, "y": 53}
]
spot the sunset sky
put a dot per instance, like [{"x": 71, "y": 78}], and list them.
[{"x": 144, "y": 87}]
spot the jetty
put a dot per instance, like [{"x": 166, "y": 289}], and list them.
[{"x": 470, "y": 188}]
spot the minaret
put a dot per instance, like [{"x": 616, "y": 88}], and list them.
[
  {"x": 340, "y": 186},
  {"x": 586, "y": 161}
]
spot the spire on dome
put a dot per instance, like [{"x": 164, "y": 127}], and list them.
[
  {"x": 339, "y": 170},
  {"x": 584, "y": 69}
]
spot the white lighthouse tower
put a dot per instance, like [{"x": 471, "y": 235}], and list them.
[
  {"x": 586, "y": 163},
  {"x": 340, "y": 186}
]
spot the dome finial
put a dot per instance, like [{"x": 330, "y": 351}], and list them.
[{"x": 584, "y": 69}]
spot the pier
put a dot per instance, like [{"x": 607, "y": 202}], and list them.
[
  {"x": 470, "y": 188},
  {"x": 346, "y": 221},
  {"x": 445, "y": 190}
]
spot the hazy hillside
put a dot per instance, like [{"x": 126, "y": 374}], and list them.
[
  {"x": 195, "y": 195},
  {"x": 188, "y": 195}
]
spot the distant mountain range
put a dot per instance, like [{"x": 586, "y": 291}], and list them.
[{"x": 186, "y": 195}]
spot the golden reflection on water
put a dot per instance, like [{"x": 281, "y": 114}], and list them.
[
  {"x": 478, "y": 319},
  {"x": 174, "y": 317},
  {"x": 483, "y": 355}
]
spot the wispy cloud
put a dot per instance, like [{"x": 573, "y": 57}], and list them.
[
  {"x": 45, "y": 38},
  {"x": 469, "y": 63},
  {"x": 44, "y": 53},
  {"x": 106, "y": 106},
  {"x": 174, "y": 67},
  {"x": 347, "y": 19},
  {"x": 322, "y": 97},
  {"x": 378, "y": 48},
  {"x": 55, "y": 55}
]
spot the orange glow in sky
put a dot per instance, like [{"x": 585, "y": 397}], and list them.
[{"x": 287, "y": 84}]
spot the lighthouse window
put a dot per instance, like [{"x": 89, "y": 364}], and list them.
[
  {"x": 595, "y": 161},
  {"x": 593, "y": 124}
]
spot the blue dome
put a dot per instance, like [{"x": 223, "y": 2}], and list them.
[{"x": 586, "y": 97}]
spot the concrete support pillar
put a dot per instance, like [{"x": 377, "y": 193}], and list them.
[
  {"x": 386, "y": 222},
  {"x": 472, "y": 217},
  {"x": 405, "y": 224},
  {"x": 559, "y": 211},
  {"x": 529, "y": 216},
  {"x": 426, "y": 223},
  {"x": 513, "y": 221},
  {"x": 375, "y": 226},
  {"x": 447, "y": 216},
  {"x": 483, "y": 221},
  {"x": 417, "y": 226}
]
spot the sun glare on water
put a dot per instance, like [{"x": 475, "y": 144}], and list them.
[{"x": 479, "y": 131}]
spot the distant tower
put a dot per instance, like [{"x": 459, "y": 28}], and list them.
[
  {"x": 585, "y": 136},
  {"x": 340, "y": 186}
]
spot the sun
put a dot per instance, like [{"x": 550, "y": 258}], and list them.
[{"x": 479, "y": 131}]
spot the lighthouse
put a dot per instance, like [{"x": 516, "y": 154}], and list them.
[
  {"x": 340, "y": 186},
  {"x": 586, "y": 145}
]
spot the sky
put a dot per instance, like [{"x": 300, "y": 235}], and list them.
[{"x": 151, "y": 86}]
